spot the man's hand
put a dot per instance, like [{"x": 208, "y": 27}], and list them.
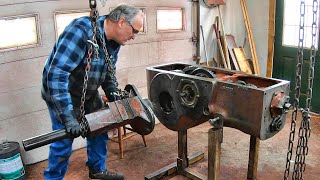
[
  {"x": 73, "y": 128},
  {"x": 112, "y": 96}
]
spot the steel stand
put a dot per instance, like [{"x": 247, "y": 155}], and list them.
[
  {"x": 253, "y": 158},
  {"x": 215, "y": 136},
  {"x": 183, "y": 161}
]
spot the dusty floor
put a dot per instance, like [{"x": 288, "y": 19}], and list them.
[{"x": 139, "y": 161}]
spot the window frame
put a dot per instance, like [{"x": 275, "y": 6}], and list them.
[
  {"x": 284, "y": 25},
  {"x": 38, "y": 43},
  {"x": 183, "y": 11},
  {"x": 59, "y": 12}
]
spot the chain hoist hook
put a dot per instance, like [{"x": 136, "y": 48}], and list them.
[{"x": 93, "y": 4}]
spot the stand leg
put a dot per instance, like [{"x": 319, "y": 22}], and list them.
[
  {"x": 253, "y": 158},
  {"x": 214, "y": 151},
  {"x": 182, "y": 160}
]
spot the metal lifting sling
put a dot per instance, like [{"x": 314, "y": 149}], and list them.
[
  {"x": 94, "y": 48},
  {"x": 304, "y": 130}
]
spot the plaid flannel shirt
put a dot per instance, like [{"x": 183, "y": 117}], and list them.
[{"x": 64, "y": 70}]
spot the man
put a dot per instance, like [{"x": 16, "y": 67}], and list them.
[{"x": 62, "y": 83}]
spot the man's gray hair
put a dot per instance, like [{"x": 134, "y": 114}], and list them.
[{"x": 123, "y": 11}]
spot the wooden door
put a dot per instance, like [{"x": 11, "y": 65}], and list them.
[{"x": 285, "y": 54}]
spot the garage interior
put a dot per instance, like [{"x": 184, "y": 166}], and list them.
[{"x": 227, "y": 83}]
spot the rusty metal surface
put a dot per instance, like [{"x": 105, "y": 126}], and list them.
[
  {"x": 244, "y": 101},
  {"x": 215, "y": 136},
  {"x": 121, "y": 112},
  {"x": 253, "y": 158},
  {"x": 130, "y": 109}
]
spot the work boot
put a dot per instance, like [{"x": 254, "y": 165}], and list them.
[{"x": 107, "y": 175}]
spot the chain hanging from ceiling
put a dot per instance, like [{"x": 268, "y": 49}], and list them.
[
  {"x": 302, "y": 148},
  {"x": 93, "y": 52}
]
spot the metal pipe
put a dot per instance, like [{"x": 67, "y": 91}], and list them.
[{"x": 196, "y": 29}]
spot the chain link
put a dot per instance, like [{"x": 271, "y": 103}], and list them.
[
  {"x": 94, "y": 48},
  {"x": 305, "y": 130},
  {"x": 110, "y": 67},
  {"x": 297, "y": 89}
]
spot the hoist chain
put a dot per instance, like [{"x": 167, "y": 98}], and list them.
[
  {"x": 94, "y": 48},
  {"x": 297, "y": 89},
  {"x": 305, "y": 130}
]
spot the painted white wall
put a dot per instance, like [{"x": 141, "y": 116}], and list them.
[{"x": 258, "y": 12}]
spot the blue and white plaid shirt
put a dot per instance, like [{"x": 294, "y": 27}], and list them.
[{"x": 64, "y": 70}]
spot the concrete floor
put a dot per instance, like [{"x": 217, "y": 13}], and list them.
[{"x": 139, "y": 161}]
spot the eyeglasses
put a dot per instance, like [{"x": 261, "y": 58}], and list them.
[{"x": 134, "y": 31}]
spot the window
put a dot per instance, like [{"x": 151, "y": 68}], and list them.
[
  {"x": 62, "y": 19},
  {"x": 19, "y": 31},
  {"x": 292, "y": 21},
  {"x": 170, "y": 19}
]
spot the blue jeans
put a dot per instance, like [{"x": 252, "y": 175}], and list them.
[{"x": 61, "y": 151}]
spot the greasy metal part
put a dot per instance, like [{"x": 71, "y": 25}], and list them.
[
  {"x": 215, "y": 136},
  {"x": 279, "y": 106},
  {"x": 243, "y": 100},
  {"x": 132, "y": 110},
  {"x": 253, "y": 158},
  {"x": 202, "y": 73}
]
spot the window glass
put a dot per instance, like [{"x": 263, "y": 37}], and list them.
[
  {"x": 18, "y": 31},
  {"x": 63, "y": 19},
  {"x": 170, "y": 20},
  {"x": 292, "y": 21}
]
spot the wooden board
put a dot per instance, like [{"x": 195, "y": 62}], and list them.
[
  {"x": 242, "y": 60},
  {"x": 271, "y": 35},
  {"x": 231, "y": 43},
  {"x": 250, "y": 37},
  {"x": 224, "y": 63}
]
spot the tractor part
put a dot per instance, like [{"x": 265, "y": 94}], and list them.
[{"x": 131, "y": 109}]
